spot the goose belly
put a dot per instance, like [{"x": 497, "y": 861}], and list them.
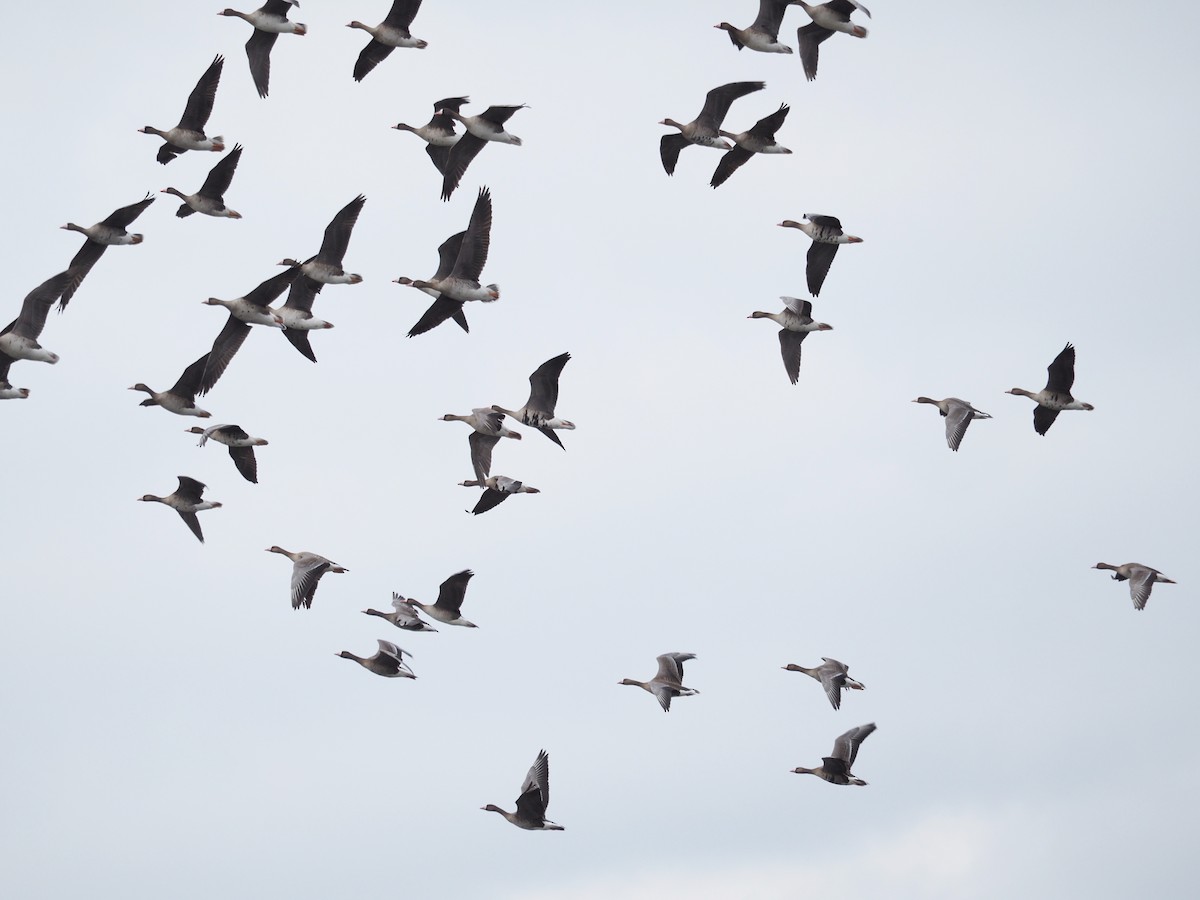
[{"x": 25, "y": 348}]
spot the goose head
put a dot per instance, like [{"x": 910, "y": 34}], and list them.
[
  {"x": 150, "y": 129},
  {"x": 672, "y": 123},
  {"x": 150, "y": 498},
  {"x": 71, "y": 226}
]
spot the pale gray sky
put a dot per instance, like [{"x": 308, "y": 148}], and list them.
[{"x": 1022, "y": 178}]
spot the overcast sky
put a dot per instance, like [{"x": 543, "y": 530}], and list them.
[{"x": 1021, "y": 178}]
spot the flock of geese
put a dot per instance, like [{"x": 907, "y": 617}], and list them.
[{"x": 455, "y": 283}]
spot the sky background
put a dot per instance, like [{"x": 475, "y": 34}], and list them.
[{"x": 173, "y": 728}]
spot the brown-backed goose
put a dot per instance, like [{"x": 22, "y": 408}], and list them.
[
  {"x": 388, "y": 661},
  {"x": 498, "y": 488},
  {"x": 1141, "y": 579},
  {"x": 438, "y": 134},
  {"x": 389, "y": 34},
  {"x": 99, "y": 237},
  {"x": 488, "y": 427},
  {"x": 180, "y": 399},
  {"x": 958, "y": 415},
  {"x": 252, "y": 309},
  {"x": 269, "y": 21},
  {"x": 307, "y": 569},
  {"x": 797, "y": 321},
  {"x": 704, "y": 130},
  {"x": 533, "y": 800},
  {"x": 210, "y": 199},
  {"x": 833, "y": 676},
  {"x": 296, "y": 313},
  {"x": 835, "y": 768},
  {"x": 538, "y": 411},
  {"x": 1056, "y": 395},
  {"x": 759, "y": 139},
  {"x": 241, "y": 446},
  {"x": 189, "y": 133},
  {"x": 186, "y": 501},
  {"x": 404, "y": 615},
  {"x": 448, "y": 606},
  {"x": 763, "y": 34},
  {"x": 668, "y": 683},
  {"x": 482, "y": 129},
  {"x": 326, "y": 266},
  {"x": 826, "y": 19},
  {"x": 18, "y": 340},
  {"x": 443, "y": 307},
  {"x": 827, "y": 235}
]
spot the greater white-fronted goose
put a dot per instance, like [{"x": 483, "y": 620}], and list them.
[
  {"x": 835, "y": 768},
  {"x": 827, "y": 235},
  {"x": 826, "y": 19},
  {"x": 189, "y": 133},
  {"x": 210, "y": 199},
  {"x": 1141, "y": 579},
  {"x": 538, "y": 411},
  {"x": 448, "y": 606},
  {"x": 388, "y": 661},
  {"x": 19, "y": 339},
  {"x": 403, "y": 617},
  {"x": 763, "y": 34},
  {"x": 668, "y": 683},
  {"x": 498, "y": 488},
  {"x": 99, "y": 237},
  {"x": 704, "y": 130},
  {"x": 482, "y": 129},
  {"x": 326, "y": 266},
  {"x": 443, "y": 307},
  {"x": 833, "y": 676},
  {"x": 180, "y": 399},
  {"x": 488, "y": 425},
  {"x": 533, "y": 800},
  {"x": 389, "y": 34},
  {"x": 269, "y": 21},
  {"x": 1056, "y": 395},
  {"x": 252, "y": 309},
  {"x": 241, "y": 446},
  {"x": 958, "y": 415},
  {"x": 186, "y": 501},
  {"x": 759, "y": 139},
  {"x": 797, "y": 321},
  {"x": 296, "y": 313},
  {"x": 438, "y": 134},
  {"x": 307, "y": 569}
]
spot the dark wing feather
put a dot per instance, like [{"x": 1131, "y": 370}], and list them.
[
  {"x": 200, "y": 101},
  {"x": 36, "y": 305},
  {"x": 668, "y": 150},
  {"x": 447, "y": 254},
  {"x": 498, "y": 115},
  {"x": 460, "y": 319},
  {"x": 278, "y": 7},
  {"x": 189, "y": 519},
  {"x": 220, "y": 176},
  {"x": 452, "y": 591},
  {"x": 820, "y": 258},
  {"x": 1043, "y": 418},
  {"x": 473, "y": 254},
  {"x": 440, "y": 156},
  {"x": 189, "y": 381},
  {"x": 402, "y": 13},
  {"x": 189, "y": 489},
  {"x": 337, "y": 232},
  {"x": 372, "y": 55},
  {"x": 543, "y": 385},
  {"x": 228, "y": 342},
  {"x": 530, "y": 806},
  {"x": 491, "y": 498},
  {"x": 258, "y": 52},
  {"x": 730, "y": 163},
  {"x": 184, "y": 211},
  {"x": 439, "y": 311},
  {"x": 1062, "y": 371},
  {"x": 770, "y": 16},
  {"x": 718, "y": 100},
  {"x": 550, "y": 433},
  {"x": 454, "y": 103},
  {"x": 767, "y": 126},
  {"x": 304, "y": 291},
  {"x": 267, "y": 292},
  {"x": 81, "y": 264},
  {"x": 830, "y": 222},
  {"x": 810, "y": 38},
  {"x": 789, "y": 346},
  {"x": 481, "y": 453},
  {"x": 124, "y": 216},
  {"x": 461, "y": 154},
  {"x": 168, "y": 152},
  {"x": 298, "y": 338},
  {"x": 243, "y": 458},
  {"x": 846, "y": 8}
]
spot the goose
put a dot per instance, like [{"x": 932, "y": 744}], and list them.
[
  {"x": 189, "y": 133},
  {"x": 530, "y": 813},
  {"x": 826, "y": 19},
  {"x": 758, "y": 139},
  {"x": 99, "y": 237},
  {"x": 763, "y": 34},
  {"x": 833, "y": 676},
  {"x": 1056, "y": 395},
  {"x": 797, "y": 321},
  {"x": 388, "y": 661},
  {"x": 958, "y": 415},
  {"x": 443, "y": 307},
  {"x": 252, "y": 309},
  {"x": 438, "y": 134},
  {"x": 704, "y": 130},
  {"x": 180, "y": 399},
  {"x": 835, "y": 768},
  {"x": 498, "y": 489},
  {"x": 668, "y": 683},
  {"x": 404, "y": 616},
  {"x": 389, "y": 34},
  {"x": 186, "y": 501},
  {"x": 326, "y": 266},
  {"x": 482, "y": 129},
  {"x": 307, "y": 569},
  {"x": 241, "y": 446},
  {"x": 462, "y": 283},
  {"x": 296, "y": 313},
  {"x": 18, "y": 340},
  {"x": 826, "y": 233},
  {"x": 538, "y": 411},
  {"x": 488, "y": 427},
  {"x": 448, "y": 606},
  {"x": 1141, "y": 579},
  {"x": 269, "y": 21},
  {"x": 210, "y": 199}
]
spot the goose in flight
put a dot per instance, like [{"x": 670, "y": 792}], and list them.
[
  {"x": 100, "y": 237},
  {"x": 833, "y": 675},
  {"x": 826, "y": 19},
  {"x": 1056, "y": 395},
  {"x": 758, "y": 139},
  {"x": 307, "y": 569},
  {"x": 835, "y": 768},
  {"x": 210, "y": 199},
  {"x": 487, "y": 428},
  {"x": 538, "y": 411},
  {"x": 326, "y": 266},
  {"x": 763, "y": 34},
  {"x": 958, "y": 415},
  {"x": 388, "y": 661},
  {"x": 404, "y": 615},
  {"x": 704, "y": 130},
  {"x": 1141, "y": 579},
  {"x": 497, "y": 489},
  {"x": 448, "y": 606},
  {"x": 389, "y": 34},
  {"x": 796, "y": 321},
  {"x": 668, "y": 682},
  {"x": 483, "y": 129},
  {"x": 269, "y": 21},
  {"x": 530, "y": 813},
  {"x": 827, "y": 235},
  {"x": 241, "y": 446},
  {"x": 19, "y": 339},
  {"x": 189, "y": 133},
  {"x": 186, "y": 500},
  {"x": 438, "y": 133},
  {"x": 181, "y": 398}
]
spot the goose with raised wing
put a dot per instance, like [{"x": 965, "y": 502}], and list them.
[
  {"x": 448, "y": 606},
  {"x": 667, "y": 684},
  {"x": 307, "y": 569},
  {"x": 189, "y": 133},
  {"x": 241, "y": 446},
  {"x": 187, "y": 500},
  {"x": 270, "y": 21},
  {"x": 443, "y": 307},
  {"x": 210, "y": 199},
  {"x": 388, "y": 661},
  {"x": 403, "y": 616},
  {"x": 826, "y": 19},
  {"x": 958, "y": 415},
  {"x": 758, "y": 139},
  {"x": 487, "y": 429},
  {"x": 252, "y": 309},
  {"x": 497, "y": 489},
  {"x": 538, "y": 411},
  {"x": 827, "y": 235},
  {"x": 326, "y": 266},
  {"x": 181, "y": 398},
  {"x": 705, "y": 129},
  {"x": 833, "y": 676},
  {"x": 530, "y": 813},
  {"x": 483, "y": 129},
  {"x": 796, "y": 321},
  {"x": 1141, "y": 579},
  {"x": 835, "y": 768},
  {"x": 389, "y": 34},
  {"x": 438, "y": 133},
  {"x": 104, "y": 234},
  {"x": 1056, "y": 395},
  {"x": 19, "y": 339},
  {"x": 763, "y": 33}
]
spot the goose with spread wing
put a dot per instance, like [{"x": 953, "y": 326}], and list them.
[
  {"x": 210, "y": 199},
  {"x": 104, "y": 234},
  {"x": 667, "y": 684},
  {"x": 538, "y": 411},
  {"x": 241, "y": 446},
  {"x": 530, "y": 813},
  {"x": 758, "y": 139},
  {"x": 835, "y": 768},
  {"x": 189, "y": 133},
  {"x": 388, "y": 661},
  {"x": 403, "y": 616},
  {"x": 187, "y": 501},
  {"x": 487, "y": 428},
  {"x": 497, "y": 489},
  {"x": 763, "y": 34},
  {"x": 307, "y": 569},
  {"x": 796, "y": 321},
  {"x": 827, "y": 235},
  {"x": 252, "y": 309},
  {"x": 1056, "y": 395},
  {"x": 833, "y": 676},
  {"x": 483, "y": 129},
  {"x": 181, "y": 398},
  {"x": 19, "y": 339},
  {"x": 958, "y": 415},
  {"x": 448, "y": 606},
  {"x": 326, "y": 266},
  {"x": 826, "y": 19},
  {"x": 269, "y": 21},
  {"x": 1141, "y": 579},
  {"x": 389, "y": 34},
  {"x": 704, "y": 130},
  {"x": 438, "y": 133}
]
